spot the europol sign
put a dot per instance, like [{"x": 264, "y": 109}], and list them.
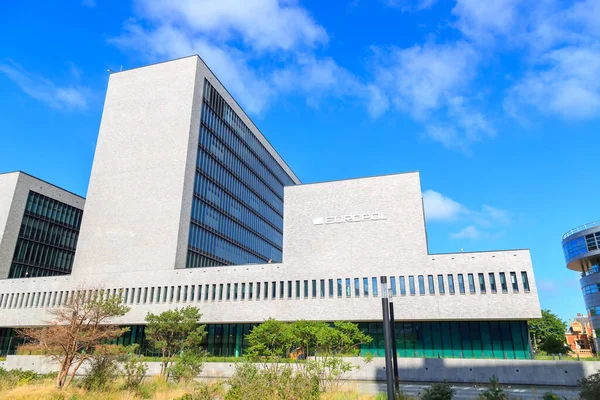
[{"x": 376, "y": 216}]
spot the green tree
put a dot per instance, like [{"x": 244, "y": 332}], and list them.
[
  {"x": 173, "y": 332},
  {"x": 554, "y": 345},
  {"x": 549, "y": 326},
  {"x": 325, "y": 343},
  {"x": 78, "y": 327}
]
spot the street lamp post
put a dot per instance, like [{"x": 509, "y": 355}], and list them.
[
  {"x": 387, "y": 339},
  {"x": 394, "y": 349}
]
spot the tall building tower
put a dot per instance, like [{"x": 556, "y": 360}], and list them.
[
  {"x": 39, "y": 227},
  {"x": 182, "y": 178},
  {"x": 581, "y": 246}
]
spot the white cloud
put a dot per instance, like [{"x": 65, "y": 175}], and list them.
[
  {"x": 408, "y": 5},
  {"x": 421, "y": 79},
  {"x": 260, "y": 51},
  {"x": 469, "y": 232},
  {"x": 432, "y": 83},
  {"x": 69, "y": 97},
  {"x": 263, "y": 24},
  {"x": 562, "y": 47},
  {"x": 441, "y": 208},
  {"x": 564, "y": 83},
  {"x": 483, "y": 20}
]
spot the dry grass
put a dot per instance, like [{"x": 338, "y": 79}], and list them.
[{"x": 154, "y": 388}]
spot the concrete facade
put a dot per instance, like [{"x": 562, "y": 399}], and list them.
[
  {"x": 394, "y": 245},
  {"x": 14, "y": 190}
]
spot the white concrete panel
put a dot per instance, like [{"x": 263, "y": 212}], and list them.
[{"x": 140, "y": 177}]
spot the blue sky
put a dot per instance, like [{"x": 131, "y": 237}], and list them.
[{"x": 495, "y": 102}]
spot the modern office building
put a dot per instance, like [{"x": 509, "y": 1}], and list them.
[
  {"x": 182, "y": 178},
  {"x": 39, "y": 227},
  {"x": 581, "y": 247}
]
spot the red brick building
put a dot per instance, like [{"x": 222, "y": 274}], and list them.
[{"x": 579, "y": 336}]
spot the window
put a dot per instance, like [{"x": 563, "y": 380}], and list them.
[
  {"x": 228, "y": 292},
  {"x": 250, "y": 290},
  {"x": 431, "y": 284},
  {"x": 441, "y": 284},
  {"x": 589, "y": 289},
  {"x": 243, "y": 294},
  {"x": 365, "y": 287},
  {"x": 330, "y": 287},
  {"x": 220, "y": 292},
  {"x": 348, "y": 288},
  {"x": 185, "y": 293},
  {"x": 322, "y": 287},
  {"x": 214, "y": 292},
  {"x": 178, "y": 294},
  {"x": 493, "y": 282},
  {"x": 171, "y": 294},
  {"x": 199, "y": 292},
  {"x": 235, "y": 291},
  {"x": 471, "y": 284},
  {"x": 289, "y": 289},
  {"x": 513, "y": 280},
  {"x": 421, "y": 285},
  {"x": 356, "y": 287},
  {"x": 411, "y": 284},
  {"x": 314, "y": 288},
  {"x": 374, "y": 282},
  {"x": 503, "y": 282},
  {"x": 525, "y": 281},
  {"x": 206, "y": 288},
  {"x": 393, "y": 285},
  {"x": 258, "y": 285},
  {"x": 158, "y": 294},
  {"x": 152, "y": 293},
  {"x": 461, "y": 284},
  {"x": 481, "y": 283},
  {"x": 266, "y": 286},
  {"x": 402, "y": 286},
  {"x": 273, "y": 290},
  {"x": 281, "y": 289},
  {"x": 297, "y": 289},
  {"x": 340, "y": 288},
  {"x": 306, "y": 289}
]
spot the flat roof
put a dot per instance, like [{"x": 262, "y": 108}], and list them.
[
  {"x": 268, "y": 146},
  {"x": 41, "y": 180}
]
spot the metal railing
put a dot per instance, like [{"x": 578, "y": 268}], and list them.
[{"x": 581, "y": 228}]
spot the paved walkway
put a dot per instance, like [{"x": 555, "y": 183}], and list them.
[{"x": 464, "y": 392}]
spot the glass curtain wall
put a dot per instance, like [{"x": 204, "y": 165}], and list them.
[
  {"x": 47, "y": 238},
  {"x": 237, "y": 208}
]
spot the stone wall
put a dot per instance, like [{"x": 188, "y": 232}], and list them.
[{"x": 467, "y": 371}]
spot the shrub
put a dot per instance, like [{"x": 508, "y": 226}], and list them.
[
  {"x": 590, "y": 387},
  {"x": 551, "y": 396},
  {"x": 134, "y": 370},
  {"x": 19, "y": 377},
  {"x": 204, "y": 391},
  {"x": 282, "y": 383},
  {"x": 494, "y": 392},
  {"x": 187, "y": 367},
  {"x": 103, "y": 370},
  {"x": 439, "y": 391}
]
